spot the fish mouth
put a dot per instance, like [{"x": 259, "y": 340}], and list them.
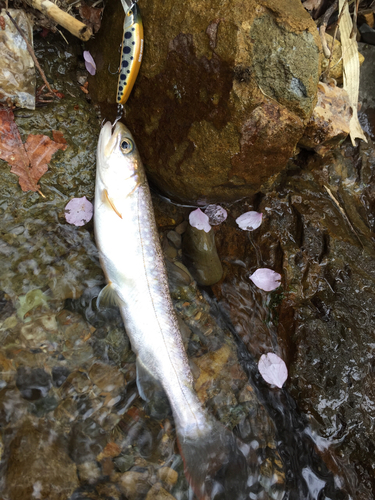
[{"x": 108, "y": 139}]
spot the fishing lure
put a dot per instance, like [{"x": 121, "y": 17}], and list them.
[{"x": 131, "y": 52}]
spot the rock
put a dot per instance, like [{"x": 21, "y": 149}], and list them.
[
  {"x": 168, "y": 475},
  {"x": 86, "y": 441},
  {"x": 33, "y": 383},
  {"x": 200, "y": 255},
  {"x": 366, "y": 92},
  {"x": 329, "y": 124},
  {"x": 134, "y": 485},
  {"x": 39, "y": 465},
  {"x": 337, "y": 67},
  {"x": 107, "y": 377},
  {"x": 223, "y": 92},
  {"x": 323, "y": 320},
  {"x": 17, "y": 70},
  {"x": 157, "y": 492},
  {"x": 175, "y": 238},
  {"x": 89, "y": 472}
]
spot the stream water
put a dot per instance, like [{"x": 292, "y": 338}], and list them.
[{"x": 72, "y": 423}]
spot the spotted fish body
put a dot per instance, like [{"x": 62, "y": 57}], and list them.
[{"x": 131, "y": 53}]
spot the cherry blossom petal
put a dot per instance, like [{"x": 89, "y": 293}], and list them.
[
  {"x": 79, "y": 211},
  {"x": 216, "y": 214},
  {"x": 266, "y": 279},
  {"x": 199, "y": 220},
  {"x": 89, "y": 62},
  {"x": 249, "y": 220},
  {"x": 273, "y": 369}
]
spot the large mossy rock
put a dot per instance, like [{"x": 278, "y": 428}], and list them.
[{"x": 223, "y": 95}]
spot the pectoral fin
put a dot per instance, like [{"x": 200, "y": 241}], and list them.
[
  {"x": 111, "y": 202},
  {"x": 108, "y": 297}
]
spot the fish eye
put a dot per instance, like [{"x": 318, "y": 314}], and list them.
[{"x": 126, "y": 146}]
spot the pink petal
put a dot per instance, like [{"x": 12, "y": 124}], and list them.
[
  {"x": 273, "y": 369},
  {"x": 249, "y": 220},
  {"x": 199, "y": 220},
  {"x": 79, "y": 211},
  {"x": 216, "y": 214},
  {"x": 266, "y": 279},
  {"x": 89, "y": 62}
]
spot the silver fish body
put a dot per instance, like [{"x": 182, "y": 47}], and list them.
[{"x": 132, "y": 260}]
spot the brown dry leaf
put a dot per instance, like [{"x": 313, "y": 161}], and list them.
[
  {"x": 29, "y": 161},
  {"x": 58, "y": 137},
  {"x": 91, "y": 16}
]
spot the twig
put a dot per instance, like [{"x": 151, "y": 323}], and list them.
[
  {"x": 61, "y": 17},
  {"x": 31, "y": 52},
  {"x": 323, "y": 25}
]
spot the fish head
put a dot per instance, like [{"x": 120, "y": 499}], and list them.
[{"x": 119, "y": 165}]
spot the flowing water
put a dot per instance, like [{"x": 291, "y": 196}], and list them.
[{"x": 72, "y": 422}]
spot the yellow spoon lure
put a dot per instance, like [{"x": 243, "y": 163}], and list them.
[{"x": 131, "y": 53}]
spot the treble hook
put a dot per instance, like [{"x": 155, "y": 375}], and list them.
[
  {"x": 116, "y": 72},
  {"x": 120, "y": 111}
]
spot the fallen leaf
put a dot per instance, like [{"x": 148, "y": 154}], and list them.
[
  {"x": 249, "y": 220},
  {"x": 216, "y": 214},
  {"x": 199, "y": 220},
  {"x": 58, "y": 137},
  {"x": 273, "y": 369},
  {"x": 351, "y": 70},
  {"x": 91, "y": 16},
  {"x": 29, "y": 161},
  {"x": 79, "y": 211},
  {"x": 266, "y": 279}
]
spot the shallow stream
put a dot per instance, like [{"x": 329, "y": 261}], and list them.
[{"x": 72, "y": 423}]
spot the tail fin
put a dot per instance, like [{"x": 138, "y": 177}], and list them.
[{"x": 214, "y": 465}]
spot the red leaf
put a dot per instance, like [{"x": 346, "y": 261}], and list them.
[{"x": 30, "y": 161}]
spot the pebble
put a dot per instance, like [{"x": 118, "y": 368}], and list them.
[
  {"x": 168, "y": 475},
  {"x": 134, "y": 485},
  {"x": 174, "y": 238},
  {"x": 89, "y": 472},
  {"x": 157, "y": 492}
]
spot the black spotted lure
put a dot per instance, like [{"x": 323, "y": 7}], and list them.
[{"x": 131, "y": 52}]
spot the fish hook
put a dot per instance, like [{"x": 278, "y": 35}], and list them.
[{"x": 116, "y": 72}]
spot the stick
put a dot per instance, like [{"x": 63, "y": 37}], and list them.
[
  {"x": 69, "y": 22},
  {"x": 31, "y": 52}
]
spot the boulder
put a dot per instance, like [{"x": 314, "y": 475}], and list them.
[{"x": 223, "y": 95}]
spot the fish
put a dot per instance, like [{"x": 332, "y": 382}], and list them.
[
  {"x": 132, "y": 260},
  {"x": 131, "y": 52}
]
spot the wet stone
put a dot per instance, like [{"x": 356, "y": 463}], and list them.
[
  {"x": 167, "y": 475},
  {"x": 39, "y": 465},
  {"x": 107, "y": 377},
  {"x": 157, "y": 492},
  {"x": 174, "y": 238},
  {"x": 134, "y": 485},
  {"x": 33, "y": 383},
  {"x": 59, "y": 375}
]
